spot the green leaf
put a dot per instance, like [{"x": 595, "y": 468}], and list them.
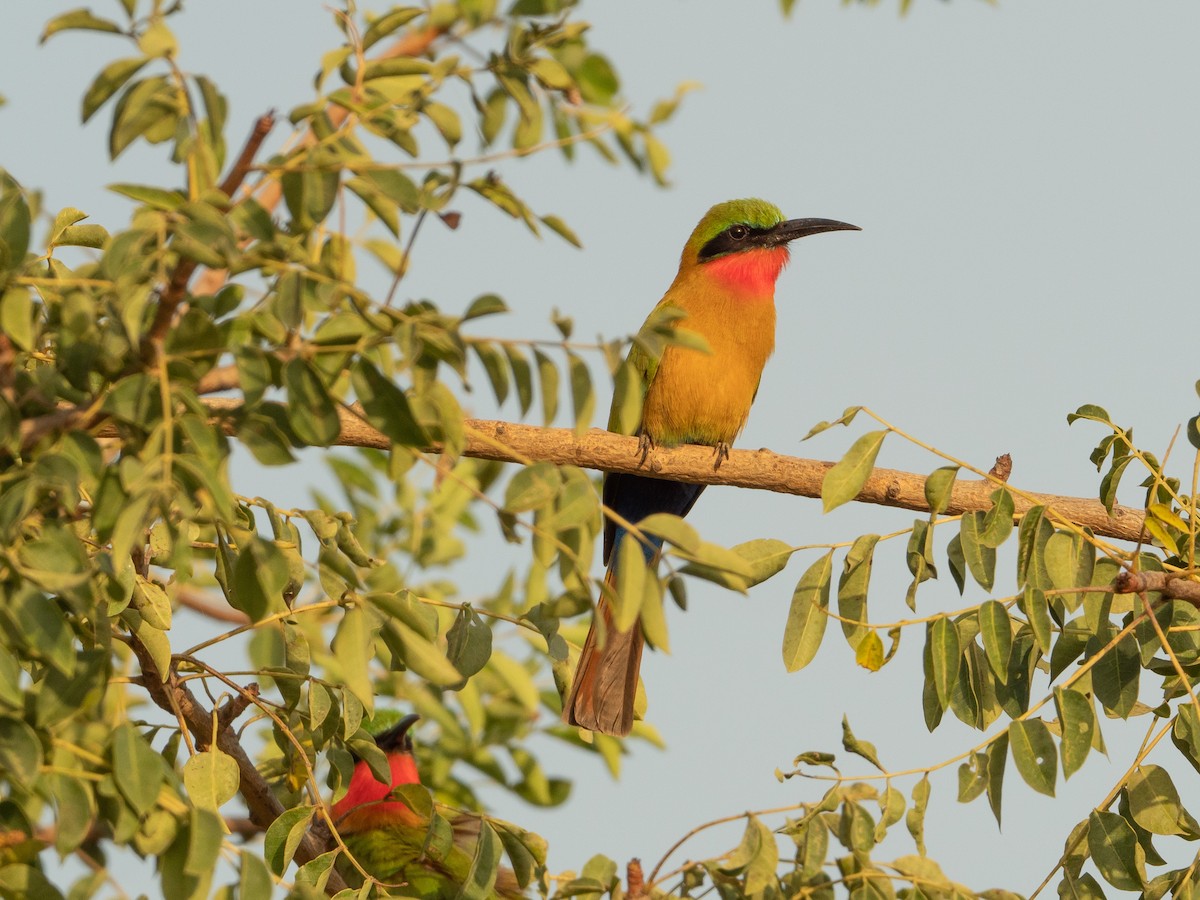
[
  {"x": 756, "y": 857},
  {"x": 806, "y": 618},
  {"x": 522, "y": 377},
  {"x": 998, "y": 522},
  {"x": 110, "y": 80},
  {"x": 1077, "y": 723},
  {"x": 997, "y": 760},
  {"x": 632, "y": 572},
  {"x": 1185, "y": 734},
  {"x": 205, "y": 834},
  {"x": 1032, "y": 602},
  {"x": 583, "y": 398},
  {"x": 938, "y": 488},
  {"x": 914, "y": 819},
  {"x": 78, "y": 20},
  {"x": 137, "y": 769},
  {"x": 1115, "y": 677},
  {"x": 354, "y": 647},
  {"x": 149, "y": 108},
  {"x": 767, "y": 557},
  {"x": 310, "y": 194},
  {"x": 425, "y": 658},
  {"x": 16, "y": 316},
  {"x": 720, "y": 566},
  {"x": 629, "y": 391},
  {"x": 672, "y": 529},
  {"x": 20, "y": 880},
  {"x": 75, "y": 813},
  {"x": 469, "y": 642},
  {"x": 1069, "y": 560},
  {"x": 996, "y": 629},
  {"x": 1034, "y": 532},
  {"x": 495, "y": 365},
  {"x": 845, "y": 480},
  {"x": 93, "y": 236},
  {"x": 548, "y": 378},
  {"x": 260, "y": 574},
  {"x": 481, "y": 876},
  {"x": 865, "y": 749},
  {"x": 1034, "y": 754},
  {"x": 20, "y": 751},
  {"x": 284, "y": 836},
  {"x": 852, "y": 588},
  {"x": 1155, "y": 805},
  {"x": 386, "y": 406},
  {"x": 14, "y": 225},
  {"x": 1116, "y": 852},
  {"x": 310, "y": 409},
  {"x": 211, "y": 778},
  {"x": 389, "y": 23},
  {"x": 946, "y": 655},
  {"x": 559, "y": 227},
  {"x": 445, "y": 120},
  {"x": 981, "y": 559}
]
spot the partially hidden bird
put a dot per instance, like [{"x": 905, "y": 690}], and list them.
[
  {"x": 397, "y": 845},
  {"x": 725, "y": 291}
]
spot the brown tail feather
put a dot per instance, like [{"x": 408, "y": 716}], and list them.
[{"x": 602, "y": 693}]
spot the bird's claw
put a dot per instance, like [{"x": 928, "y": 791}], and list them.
[
  {"x": 645, "y": 445},
  {"x": 721, "y": 453}
]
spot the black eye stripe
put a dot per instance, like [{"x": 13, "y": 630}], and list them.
[{"x": 735, "y": 237}]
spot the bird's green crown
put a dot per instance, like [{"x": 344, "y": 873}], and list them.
[{"x": 753, "y": 213}]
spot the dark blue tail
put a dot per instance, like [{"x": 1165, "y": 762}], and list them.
[{"x": 634, "y": 497}]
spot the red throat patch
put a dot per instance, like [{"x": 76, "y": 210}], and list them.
[
  {"x": 751, "y": 272},
  {"x": 364, "y": 805}
]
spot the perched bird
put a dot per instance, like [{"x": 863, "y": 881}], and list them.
[
  {"x": 725, "y": 290},
  {"x": 399, "y": 846}
]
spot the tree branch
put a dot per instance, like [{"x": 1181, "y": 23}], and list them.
[
  {"x": 1172, "y": 588},
  {"x": 412, "y": 43},
  {"x": 176, "y": 289},
  {"x": 756, "y": 469},
  {"x": 173, "y": 696}
]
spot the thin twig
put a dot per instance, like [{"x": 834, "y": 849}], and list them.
[{"x": 245, "y": 161}]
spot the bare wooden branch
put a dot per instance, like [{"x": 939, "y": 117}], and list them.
[
  {"x": 222, "y": 378},
  {"x": 241, "y": 167},
  {"x": 197, "y": 601},
  {"x": 757, "y": 469},
  {"x": 1171, "y": 587},
  {"x": 172, "y": 295},
  {"x": 635, "y": 880}
]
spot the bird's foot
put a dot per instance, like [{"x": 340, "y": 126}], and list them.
[
  {"x": 721, "y": 453},
  {"x": 645, "y": 445}
]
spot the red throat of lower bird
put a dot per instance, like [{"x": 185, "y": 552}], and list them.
[
  {"x": 752, "y": 272},
  {"x": 365, "y": 806}
]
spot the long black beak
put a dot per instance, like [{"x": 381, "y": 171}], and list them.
[
  {"x": 798, "y": 228},
  {"x": 397, "y": 737}
]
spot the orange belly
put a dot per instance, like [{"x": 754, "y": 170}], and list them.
[{"x": 705, "y": 398}]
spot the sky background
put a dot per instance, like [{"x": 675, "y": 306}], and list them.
[{"x": 1024, "y": 174}]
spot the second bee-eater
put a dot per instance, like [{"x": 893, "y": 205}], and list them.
[
  {"x": 725, "y": 290},
  {"x": 399, "y": 846}
]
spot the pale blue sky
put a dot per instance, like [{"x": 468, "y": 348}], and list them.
[{"x": 1024, "y": 174}]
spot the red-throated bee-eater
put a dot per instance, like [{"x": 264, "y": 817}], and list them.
[
  {"x": 398, "y": 845},
  {"x": 725, "y": 289}
]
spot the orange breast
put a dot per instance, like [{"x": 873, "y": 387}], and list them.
[{"x": 705, "y": 398}]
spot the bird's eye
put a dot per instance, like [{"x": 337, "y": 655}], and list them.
[{"x": 738, "y": 232}]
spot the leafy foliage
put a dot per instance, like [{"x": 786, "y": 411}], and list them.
[{"x": 121, "y": 517}]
